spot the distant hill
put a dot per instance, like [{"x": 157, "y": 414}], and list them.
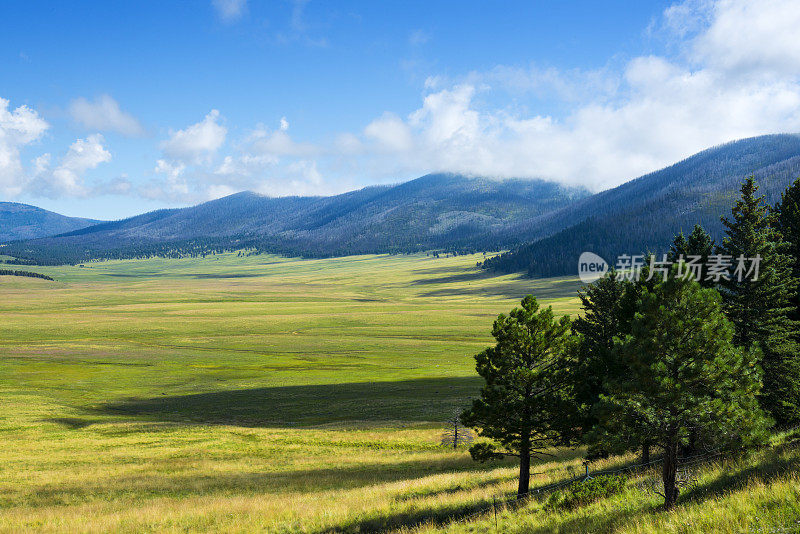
[
  {"x": 21, "y": 221},
  {"x": 438, "y": 211},
  {"x": 644, "y": 214}
]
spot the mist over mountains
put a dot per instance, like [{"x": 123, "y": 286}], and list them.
[
  {"x": 644, "y": 215},
  {"x": 544, "y": 225}
]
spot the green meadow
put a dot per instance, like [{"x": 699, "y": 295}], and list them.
[{"x": 245, "y": 393}]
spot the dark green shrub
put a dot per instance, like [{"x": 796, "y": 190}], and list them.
[{"x": 585, "y": 492}]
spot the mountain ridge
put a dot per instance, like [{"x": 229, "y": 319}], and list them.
[
  {"x": 436, "y": 211},
  {"x": 24, "y": 221},
  {"x": 644, "y": 214}
]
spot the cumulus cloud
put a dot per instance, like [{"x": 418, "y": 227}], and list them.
[
  {"x": 104, "y": 114},
  {"x": 737, "y": 75},
  {"x": 746, "y": 36},
  {"x": 197, "y": 143},
  {"x": 390, "y": 132},
  {"x": 18, "y": 128},
  {"x": 230, "y": 10},
  {"x": 277, "y": 143},
  {"x": 66, "y": 179},
  {"x": 728, "y": 69}
]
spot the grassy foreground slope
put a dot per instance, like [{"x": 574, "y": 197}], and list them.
[{"x": 245, "y": 393}]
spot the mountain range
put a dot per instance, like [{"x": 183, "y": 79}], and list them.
[
  {"x": 21, "y": 221},
  {"x": 437, "y": 211},
  {"x": 544, "y": 226}
]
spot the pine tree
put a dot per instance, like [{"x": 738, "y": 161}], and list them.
[
  {"x": 679, "y": 247},
  {"x": 698, "y": 245},
  {"x": 522, "y": 401},
  {"x": 787, "y": 222},
  {"x": 760, "y": 308},
  {"x": 607, "y": 313},
  {"x": 684, "y": 373}
]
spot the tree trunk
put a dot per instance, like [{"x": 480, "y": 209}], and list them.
[
  {"x": 646, "y": 453},
  {"x": 670, "y": 472},
  {"x": 524, "y": 468}
]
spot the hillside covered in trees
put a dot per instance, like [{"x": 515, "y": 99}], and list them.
[
  {"x": 644, "y": 214},
  {"x": 21, "y": 221},
  {"x": 438, "y": 211}
]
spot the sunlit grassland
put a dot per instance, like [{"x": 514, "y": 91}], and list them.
[
  {"x": 757, "y": 493},
  {"x": 245, "y": 393},
  {"x": 258, "y": 393}
]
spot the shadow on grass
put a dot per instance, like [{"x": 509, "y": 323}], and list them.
[
  {"x": 421, "y": 400},
  {"x": 542, "y": 289},
  {"x": 175, "y": 478},
  {"x": 468, "y": 276},
  {"x": 423, "y": 493},
  {"x": 410, "y": 518},
  {"x": 733, "y": 478},
  {"x": 604, "y": 520},
  {"x": 73, "y": 423}
]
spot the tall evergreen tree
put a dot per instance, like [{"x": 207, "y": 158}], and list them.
[
  {"x": 607, "y": 313},
  {"x": 787, "y": 222},
  {"x": 684, "y": 373},
  {"x": 679, "y": 247},
  {"x": 699, "y": 244},
  {"x": 521, "y": 403},
  {"x": 760, "y": 308}
]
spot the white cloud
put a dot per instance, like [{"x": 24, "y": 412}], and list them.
[
  {"x": 218, "y": 191},
  {"x": 170, "y": 169},
  {"x": 730, "y": 69},
  {"x": 230, "y": 10},
  {"x": 174, "y": 186},
  {"x": 738, "y": 75},
  {"x": 18, "y": 128},
  {"x": 104, "y": 114},
  {"x": 279, "y": 143},
  {"x": 196, "y": 143},
  {"x": 746, "y": 35},
  {"x": 66, "y": 179},
  {"x": 390, "y": 132}
]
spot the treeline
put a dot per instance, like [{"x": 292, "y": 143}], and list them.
[
  {"x": 454, "y": 214},
  {"x": 29, "y": 274},
  {"x": 667, "y": 359},
  {"x": 53, "y": 252}
]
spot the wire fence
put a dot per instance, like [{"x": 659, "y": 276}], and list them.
[{"x": 504, "y": 502}]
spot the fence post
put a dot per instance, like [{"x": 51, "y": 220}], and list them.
[{"x": 494, "y": 505}]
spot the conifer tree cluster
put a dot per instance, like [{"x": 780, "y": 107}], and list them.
[{"x": 679, "y": 363}]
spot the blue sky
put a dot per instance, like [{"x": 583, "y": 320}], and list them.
[{"x": 115, "y": 108}]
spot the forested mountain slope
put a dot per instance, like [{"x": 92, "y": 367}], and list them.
[
  {"x": 440, "y": 211},
  {"x": 644, "y": 214},
  {"x": 21, "y": 221}
]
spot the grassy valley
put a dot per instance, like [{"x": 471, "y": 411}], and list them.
[
  {"x": 243, "y": 393},
  {"x": 262, "y": 393}
]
